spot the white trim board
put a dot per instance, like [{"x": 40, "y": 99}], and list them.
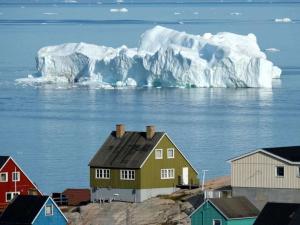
[
  {"x": 165, "y": 134},
  {"x": 227, "y": 218},
  {"x": 36, "y": 216},
  {"x": 26, "y": 176}
]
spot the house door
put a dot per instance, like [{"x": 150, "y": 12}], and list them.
[{"x": 185, "y": 175}]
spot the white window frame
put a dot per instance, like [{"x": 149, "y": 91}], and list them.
[
  {"x": 165, "y": 174},
  {"x": 173, "y": 153},
  {"x": 6, "y": 174},
  {"x": 18, "y": 176},
  {"x": 11, "y": 193},
  {"x": 102, "y": 173},
  {"x": 215, "y": 220},
  {"x": 276, "y": 174},
  {"x": 127, "y": 174},
  {"x": 161, "y": 151},
  {"x": 47, "y": 214}
]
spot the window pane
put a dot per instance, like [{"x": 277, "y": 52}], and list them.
[
  {"x": 280, "y": 171},
  {"x": 3, "y": 177},
  {"x": 158, "y": 153},
  {"x": 217, "y": 222},
  {"x": 49, "y": 210}
]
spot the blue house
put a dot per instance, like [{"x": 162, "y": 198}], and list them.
[
  {"x": 225, "y": 211},
  {"x": 33, "y": 210}
]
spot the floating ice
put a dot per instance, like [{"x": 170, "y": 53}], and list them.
[
  {"x": 272, "y": 50},
  {"x": 71, "y": 1},
  {"x": 283, "y": 20},
  {"x": 122, "y": 10},
  {"x": 235, "y": 13},
  {"x": 50, "y": 13},
  {"x": 177, "y": 13},
  {"x": 164, "y": 58}
]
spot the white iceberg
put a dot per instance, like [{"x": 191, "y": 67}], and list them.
[
  {"x": 283, "y": 20},
  {"x": 164, "y": 58}
]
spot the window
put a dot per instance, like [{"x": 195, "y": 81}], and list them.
[
  {"x": 3, "y": 177},
  {"x": 10, "y": 195},
  {"x": 167, "y": 173},
  {"x": 102, "y": 174},
  {"x": 158, "y": 153},
  {"x": 217, "y": 222},
  {"x": 16, "y": 176},
  {"x": 170, "y": 153},
  {"x": 298, "y": 171},
  {"x": 279, "y": 171},
  {"x": 49, "y": 210},
  {"x": 127, "y": 174}
]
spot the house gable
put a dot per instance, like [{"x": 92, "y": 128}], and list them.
[
  {"x": 205, "y": 214},
  {"x": 23, "y": 186},
  {"x": 57, "y": 216},
  {"x": 151, "y": 167},
  {"x": 259, "y": 170}
]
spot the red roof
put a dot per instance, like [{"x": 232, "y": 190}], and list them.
[{"x": 77, "y": 196}]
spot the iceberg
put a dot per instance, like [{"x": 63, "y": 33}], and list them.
[{"x": 163, "y": 58}]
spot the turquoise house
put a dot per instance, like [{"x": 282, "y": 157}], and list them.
[
  {"x": 225, "y": 211},
  {"x": 33, "y": 210}
]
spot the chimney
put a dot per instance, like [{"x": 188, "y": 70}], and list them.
[
  {"x": 120, "y": 130},
  {"x": 150, "y": 131}
]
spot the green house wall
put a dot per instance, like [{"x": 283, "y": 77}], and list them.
[
  {"x": 150, "y": 172},
  {"x": 149, "y": 175},
  {"x": 207, "y": 213},
  {"x": 115, "y": 181},
  {"x": 246, "y": 221}
]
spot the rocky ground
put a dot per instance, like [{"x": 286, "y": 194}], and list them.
[{"x": 163, "y": 210}]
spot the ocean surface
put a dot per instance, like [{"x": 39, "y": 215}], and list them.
[{"x": 53, "y": 131}]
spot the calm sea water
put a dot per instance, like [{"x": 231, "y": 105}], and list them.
[{"x": 53, "y": 132}]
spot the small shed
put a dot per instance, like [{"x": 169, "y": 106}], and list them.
[
  {"x": 77, "y": 196},
  {"x": 275, "y": 213},
  {"x": 225, "y": 211},
  {"x": 33, "y": 210}
]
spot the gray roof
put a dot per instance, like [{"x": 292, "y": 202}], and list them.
[
  {"x": 3, "y": 160},
  {"x": 235, "y": 207},
  {"x": 291, "y": 153},
  {"x": 279, "y": 214},
  {"x": 128, "y": 152}
]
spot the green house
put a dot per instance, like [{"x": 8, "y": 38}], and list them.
[
  {"x": 134, "y": 166},
  {"x": 225, "y": 211}
]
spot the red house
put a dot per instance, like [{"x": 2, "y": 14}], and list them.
[{"x": 14, "y": 181}]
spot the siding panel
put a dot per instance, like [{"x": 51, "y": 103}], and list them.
[{"x": 259, "y": 170}]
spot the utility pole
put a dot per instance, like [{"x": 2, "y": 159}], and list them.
[{"x": 203, "y": 179}]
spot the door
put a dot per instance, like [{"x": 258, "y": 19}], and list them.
[{"x": 185, "y": 175}]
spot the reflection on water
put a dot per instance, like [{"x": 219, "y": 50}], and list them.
[
  {"x": 56, "y": 131},
  {"x": 53, "y": 131}
]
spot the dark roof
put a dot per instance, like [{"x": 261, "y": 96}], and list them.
[
  {"x": 77, "y": 196},
  {"x": 291, "y": 153},
  {"x": 23, "y": 209},
  {"x": 129, "y": 151},
  {"x": 3, "y": 160},
  {"x": 235, "y": 207},
  {"x": 279, "y": 214}
]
